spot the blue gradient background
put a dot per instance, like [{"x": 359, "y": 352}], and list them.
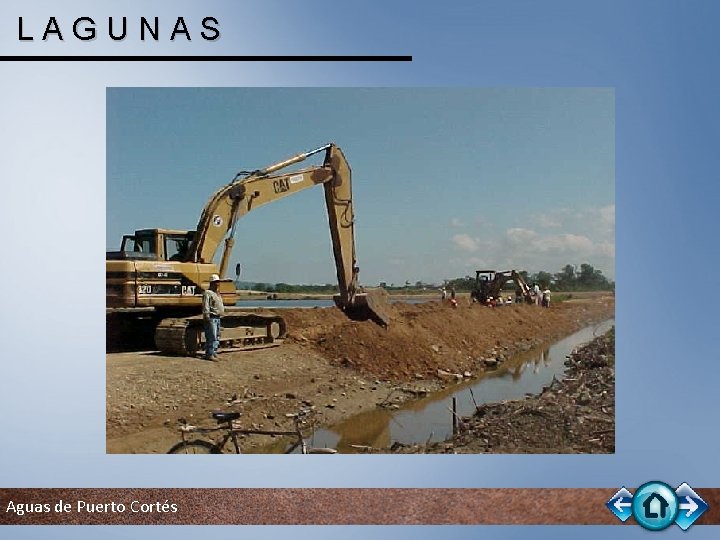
[{"x": 661, "y": 58}]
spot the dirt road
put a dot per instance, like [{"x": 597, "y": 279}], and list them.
[{"x": 337, "y": 366}]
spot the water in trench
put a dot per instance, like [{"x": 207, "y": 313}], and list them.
[{"x": 430, "y": 420}]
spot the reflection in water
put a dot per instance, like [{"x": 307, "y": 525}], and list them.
[
  {"x": 429, "y": 419},
  {"x": 517, "y": 372},
  {"x": 371, "y": 428},
  {"x": 542, "y": 360}
]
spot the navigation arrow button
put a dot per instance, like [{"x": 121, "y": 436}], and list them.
[
  {"x": 690, "y": 506},
  {"x": 620, "y": 503},
  {"x": 693, "y": 505}
]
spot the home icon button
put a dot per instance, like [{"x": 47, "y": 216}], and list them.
[
  {"x": 651, "y": 504},
  {"x": 655, "y": 506}
]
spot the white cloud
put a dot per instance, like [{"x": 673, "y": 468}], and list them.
[
  {"x": 455, "y": 222},
  {"x": 476, "y": 262},
  {"x": 606, "y": 248},
  {"x": 528, "y": 249},
  {"x": 518, "y": 235},
  {"x": 565, "y": 243},
  {"x": 549, "y": 222},
  {"x": 545, "y": 240},
  {"x": 587, "y": 221},
  {"x": 465, "y": 242},
  {"x": 480, "y": 221},
  {"x": 607, "y": 214}
]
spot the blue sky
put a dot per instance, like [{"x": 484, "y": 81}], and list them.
[{"x": 445, "y": 180}]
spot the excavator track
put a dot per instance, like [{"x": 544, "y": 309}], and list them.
[{"x": 184, "y": 336}]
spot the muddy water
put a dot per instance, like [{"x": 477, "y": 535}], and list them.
[{"x": 430, "y": 419}]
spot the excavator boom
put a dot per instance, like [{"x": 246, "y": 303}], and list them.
[{"x": 220, "y": 215}]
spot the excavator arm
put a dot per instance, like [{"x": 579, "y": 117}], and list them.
[
  {"x": 220, "y": 215},
  {"x": 522, "y": 285}
]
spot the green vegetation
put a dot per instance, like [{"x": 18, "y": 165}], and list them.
[
  {"x": 587, "y": 278},
  {"x": 327, "y": 288},
  {"x": 569, "y": 279}
]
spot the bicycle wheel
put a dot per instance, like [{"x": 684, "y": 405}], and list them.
[{"x": 194, "y": 447}]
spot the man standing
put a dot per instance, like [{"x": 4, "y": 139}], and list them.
[
  {"x": 536, "y": 294},
  {"x": 212, "y": 308}
]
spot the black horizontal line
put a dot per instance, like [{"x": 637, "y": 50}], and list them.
[{"x": 210, "y": 58}]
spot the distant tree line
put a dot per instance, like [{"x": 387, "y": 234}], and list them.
[
  {"x": 586, "y": 279},
  {"x": 327, "y": 288},
  {"x": 570, "y": 278}
]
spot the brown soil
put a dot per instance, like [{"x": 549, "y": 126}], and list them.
[{"x": 334, "y": 365}]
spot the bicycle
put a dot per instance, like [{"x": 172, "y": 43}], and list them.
[{"x": 225, "y": 421}]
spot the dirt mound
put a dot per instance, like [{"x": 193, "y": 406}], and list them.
[{"x": 424, "y": 338}]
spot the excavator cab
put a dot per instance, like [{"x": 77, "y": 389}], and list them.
[
  {"x": 154, "y": 245},
  {"x": 139, "y": 243},
  {"x": 135, "y": 247},
  {"x": 482, "y": 289}
]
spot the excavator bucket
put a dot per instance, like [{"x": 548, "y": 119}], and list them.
[{"x": 373, "y": 304}]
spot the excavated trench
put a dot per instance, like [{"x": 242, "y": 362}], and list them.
[{"x": 430, "y": 419}]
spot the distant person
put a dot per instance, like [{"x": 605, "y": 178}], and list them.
[
  {"x": 536, "y": 293},
  {"x": 444, "y": 294},
  {"x": 546, "y": 298},
  {"x": 452, "y": 293},
  {"x": 212, "y": 309},
  {"x": 518, "y": 296}
]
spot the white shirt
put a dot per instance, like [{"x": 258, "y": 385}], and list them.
[{"x": 212, "y": 304}]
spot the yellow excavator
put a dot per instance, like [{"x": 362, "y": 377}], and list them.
[
  {"x": 158, "y": 277},
  {"x": 490, "y": 283}
]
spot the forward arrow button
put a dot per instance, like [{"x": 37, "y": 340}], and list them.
[{"x": 690, "y": 506}]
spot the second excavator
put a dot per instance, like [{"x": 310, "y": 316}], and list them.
[
  {"x": 158, "y": 276},
  {"x": 490, "y": 283}
]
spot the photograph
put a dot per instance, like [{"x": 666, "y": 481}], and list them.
[{"x": 437, "y": 275}]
